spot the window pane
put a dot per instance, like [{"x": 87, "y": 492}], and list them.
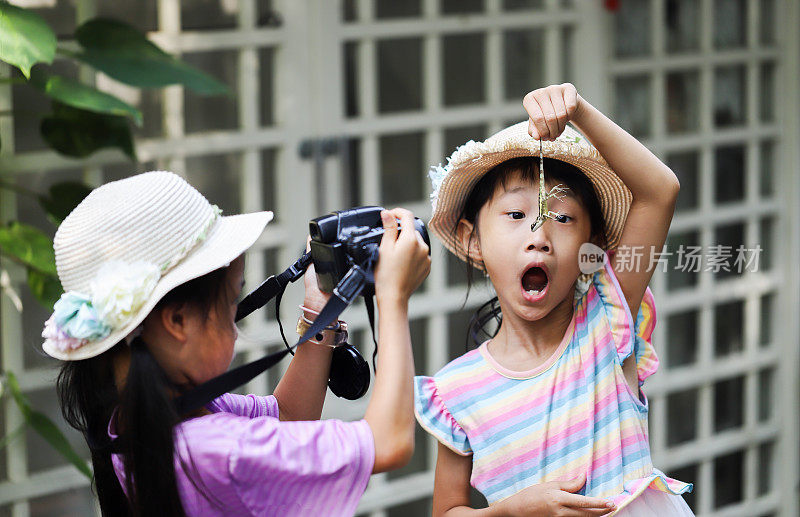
[
  {"x": 688, "y": 474},
  {"x": 524, "y": 62},
  {"x": 683, "y": 345},
  {"x": 399, "y": 74},
  {"x": 455, "y": 137},
  {"x": 351, "y": 90},
  {"x": 686, "y": 260},
  {"x": 683, "y": 101},
  {"x": 722, "y": 257},
  {"x": 386, "y": 9},
  {"x": 729, "y": 166},
  {"x": 78, "y": 501},
  {"x": 519, "y": 5},
  {"x": 729, "y": 23},
  {"x": 729, "y": 328},
  {"x": 767, "y": 105},
  {"x": 632, "y": 28},
  {"x": 728, "y": 479},
  {"x": 202, "y": 112},
  {"x": 766, "y": 394},
  {"x": 464, "y": 69},
  {"x": 766, "y": 320},
  {"x": 682, "y": 19},
  {"x": 765, "y": 456},
  {"x": 457, "y": 332},
  {"x": 766, "y": 165},
  {"x": 766, "y": 228},
  {"x": 208, "y": 14},
  {"x": 682, "y": 416},
  {"x": 686, "y": 166},
  {"x": 729, "y": 96},
  {"x": 266, "y": 72},
  {"x": 401, "y": 168},
  {"x": 728, "y": 404},
  {"x": 218, "y": 178},
  {"x": 632, "y": 104},
  {"x": 461, "y": 6},
  {"x": 767, "y": 29}
]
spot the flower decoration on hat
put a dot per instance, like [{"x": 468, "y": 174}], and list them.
[{"x": 118, "y": 291}]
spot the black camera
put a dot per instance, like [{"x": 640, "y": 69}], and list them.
[{"x": 341, "y": 240}]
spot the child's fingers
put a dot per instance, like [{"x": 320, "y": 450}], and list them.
[
  {"x": 570, "y": 99},
  {"x": 406, "y": 223},
  {"x": 389, "y": 228},
  {"x": 574, "y": 484},
  {"x": 548, "y": 114},
  {"x": 537, "y": 127},
  {"x": 557, "y": 99},
  {"x": 587, "y": 503}
]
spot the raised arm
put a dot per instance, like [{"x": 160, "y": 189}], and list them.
[{"x": 653, "y": 185}]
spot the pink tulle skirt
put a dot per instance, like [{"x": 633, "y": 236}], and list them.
[{"x": 655, "y": 503}]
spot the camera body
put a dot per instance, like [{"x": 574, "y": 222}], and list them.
[{"x": 346, "y": 238}]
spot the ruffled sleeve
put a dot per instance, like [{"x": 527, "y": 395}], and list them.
[
  {"x": 629, "y": 336},
  {"x": 434, "y": 417}
]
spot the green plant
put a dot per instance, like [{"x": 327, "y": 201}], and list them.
[{"x": 82, "y": 120}]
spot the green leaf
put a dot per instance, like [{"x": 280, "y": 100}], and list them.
[
  {"x": 62, "y": 198},
  {"x": 46, "y": 428},
  {"x": 46, "y": 288},
  {"x": 124, "y": 53},
  {"x": 28, "y": 245},
  {"x": 78, "y": 133},
  {"x": 25, "y": 38},
  {"x": 13, "y": 435},
  {"x": 73, "y": 93}
]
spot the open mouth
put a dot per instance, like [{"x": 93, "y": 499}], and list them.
[{"x": 534, "y": 281}]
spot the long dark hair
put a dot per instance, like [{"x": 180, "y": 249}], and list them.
[
  {"x": 145, "y": 418},
  {"x": 485, "y": 322}
]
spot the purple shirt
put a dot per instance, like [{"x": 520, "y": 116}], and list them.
[{"x": 250, "y": 463}]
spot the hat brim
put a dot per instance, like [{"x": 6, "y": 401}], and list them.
[
  {"x": 475, "y": 159},
  {"x": 229, "y": 237}
]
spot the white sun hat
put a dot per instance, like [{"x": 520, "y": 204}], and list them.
[
  {"x": 125, "y": 246},
  {"x": 453, "y": 183}
]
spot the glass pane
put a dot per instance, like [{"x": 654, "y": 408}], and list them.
[
  {"x": 393, "y": 9},
  {"x": 78, "y": 501},
  {"x": 201, "y": 112},
  {"x": 455, "y": 137},
  {"x": 688, "y": 474},
  {"x": 729, "y": 96},
  {"x": 352, "y": 170},
  {"x": 721, "y": 258},
  {"x": 418, "y": 507},
  {"x": 682, "y": 19},
  {"x": 729, "y": 328},
  {"x": 728, "y": 404},
  {"x": 266, "y": 72},
  {"x": 766, "y": 320},
  {"x": 267, "y": 15},
  {"x": 766, "y": 394},
  {"x": 567, "y": 64},
  {"x": 523, "y": 66},
  {"x": 461, "y": 6},
  {"x": 143, "y": 14},
  {"x": 729, "y": 23},
  {"x": 349, "y": 10},
  {"x": 208, "y": 14},
  {"x": 402, "y": 168},
  {"x": 728, "y": 479},
  {"x": 40, "y": 455},
  {"x": 729, "y": 166},
  {"x": 458, "y": 331},
  {"x": 765, "y": 456},
  {"x": 767, "y": 29},
  {"x": 767, "y": 105},
  {"x": 682, "y": 416},
  {"x": 766, "y": 164},
  {"x": 218, "y": 178},
  {"x": 61, "y": 17},
  {"x": 683, "y": 101},
  {"x": 686, "y": 166},
  {"x": 686, "y": 260},
  {"x": 766, "y": 228},
  {"x": 463, "y": 69},
  {"x": 399, "y": 74},
  {"x": 519, "y": 5},
  {"x": 683, "y": 345},
  {"x": 351, "y": 90},
  {"x": 151, "y": 104},
  {"x": 269, "y": 186},
  {"x": 632, "y": 29},
  {"x": 632, "y": 104}
]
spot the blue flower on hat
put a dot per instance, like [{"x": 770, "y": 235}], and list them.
[{"x": 75, "y": 316}]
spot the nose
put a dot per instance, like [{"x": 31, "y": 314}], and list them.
[{"x": 538, "y": 240}]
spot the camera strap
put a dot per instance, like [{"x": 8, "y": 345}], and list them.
[{"x": 343, "y": 295}]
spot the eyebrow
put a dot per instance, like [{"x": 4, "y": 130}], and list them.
[{"x": 568, "y": 193}]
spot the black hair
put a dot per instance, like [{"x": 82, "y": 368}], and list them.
[
  {"x": 487, "y": 319},
  {"x": 145, "y": 419}
]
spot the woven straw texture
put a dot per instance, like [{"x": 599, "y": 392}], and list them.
[
  {"x": 472, "y": 160},
  {"x": 156, "y": 217}
]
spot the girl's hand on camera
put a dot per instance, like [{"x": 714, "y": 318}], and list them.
[
  {"x": 556, "y": 498},
  {"x": 404, "y": 261},
  {"x": 549, "y": 109},
  {"x": 314, "y": 298}
]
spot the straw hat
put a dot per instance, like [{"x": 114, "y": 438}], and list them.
[
  {"x": 453, "y": 183},
  {"x": 125, "y": 246}
]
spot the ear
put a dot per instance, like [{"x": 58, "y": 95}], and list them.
[
  {"x": 469, "y": 240},
  {"x": 175, "y": 320}
]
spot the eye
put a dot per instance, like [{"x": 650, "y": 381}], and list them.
[
  {"x": 561, "y": 218},
  {"x": 516, "y": 214}
]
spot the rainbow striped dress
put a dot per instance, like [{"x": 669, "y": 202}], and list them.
[{"x": 574, "y": 414}]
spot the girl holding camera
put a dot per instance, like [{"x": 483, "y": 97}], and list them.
[{"x": 152, "y": 273}]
